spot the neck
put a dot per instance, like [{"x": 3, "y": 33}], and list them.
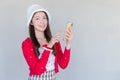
[{"x": 39, "y": 35}]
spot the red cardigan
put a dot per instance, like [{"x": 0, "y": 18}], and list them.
[{"x": 37, "y": 66}]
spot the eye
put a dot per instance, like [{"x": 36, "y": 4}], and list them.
[{"x": 36, "y": 18}]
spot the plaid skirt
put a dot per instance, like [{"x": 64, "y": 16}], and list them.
[{"x": 48, "y": 75}]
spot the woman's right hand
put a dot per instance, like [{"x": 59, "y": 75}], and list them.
[{"x": 54, "y": 39}]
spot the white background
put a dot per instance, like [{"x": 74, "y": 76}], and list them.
[{"x": 95, "y": 51}]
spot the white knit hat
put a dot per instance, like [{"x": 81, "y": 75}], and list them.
[{"x": 32, "y": 9}]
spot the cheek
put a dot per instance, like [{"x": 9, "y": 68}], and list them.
[
  {"x": 35, "y": 23},
  {"x": 46, "y": 22}
]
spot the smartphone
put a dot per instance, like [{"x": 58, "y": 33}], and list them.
[{"x": 70, "y": 25}]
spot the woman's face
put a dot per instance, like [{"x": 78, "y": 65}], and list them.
[{"x": 39, "y": 21}]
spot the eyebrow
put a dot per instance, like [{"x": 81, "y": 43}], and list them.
[{"x": 39, "y": 16}]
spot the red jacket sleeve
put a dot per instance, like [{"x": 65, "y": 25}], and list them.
[
  {"x": 63, "y": 58},
  {"x": 37, "y": 66}
]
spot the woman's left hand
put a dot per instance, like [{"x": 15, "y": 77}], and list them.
[{"x": 68, "y": 35}]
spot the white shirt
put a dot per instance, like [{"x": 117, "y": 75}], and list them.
[{"x": 51, "y": 60}]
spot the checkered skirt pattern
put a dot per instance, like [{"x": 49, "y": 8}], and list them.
[{"x": 48, "y": 75}]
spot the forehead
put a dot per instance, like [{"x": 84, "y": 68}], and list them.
[{"x": 39, "y": 13}]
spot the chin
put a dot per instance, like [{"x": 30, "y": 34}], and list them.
[{"x": 42, "y": 30}]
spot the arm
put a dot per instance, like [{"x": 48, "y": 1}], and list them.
[
  {"x": 62, "y": 58},
  {"x": 37, "y": 66}
]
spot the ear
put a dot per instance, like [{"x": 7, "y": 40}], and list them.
[{"x": 31, "y": 23}]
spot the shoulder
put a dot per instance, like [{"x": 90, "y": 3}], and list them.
[{"x": 27, "y": 41}]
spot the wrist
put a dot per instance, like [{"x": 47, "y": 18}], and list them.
[
  {"x": 50, "y": 45},
  {"x": 68, "y": 46},
  {"x": 46, "y": 47}
]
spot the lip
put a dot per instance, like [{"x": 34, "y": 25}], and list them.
[{"x": 41, "y": 25}]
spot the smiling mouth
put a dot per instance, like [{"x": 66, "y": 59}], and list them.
[{"x": 41, "y": 25}]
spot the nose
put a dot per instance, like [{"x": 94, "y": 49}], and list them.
[{"x": 41, "y": 21}]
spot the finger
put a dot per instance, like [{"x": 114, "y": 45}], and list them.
[
  {"x": 68, "y": 33},
  {"x": 58, "y": 33},
  {"x": 70, "y": 30},
  {"x": 56, "y": 38},
  {"x": 68, "y": 38}
]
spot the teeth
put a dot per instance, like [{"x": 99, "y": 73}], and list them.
[{"x": 70, "y": 25}]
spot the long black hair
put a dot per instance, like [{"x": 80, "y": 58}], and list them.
[{"x": 47, "y": 33}]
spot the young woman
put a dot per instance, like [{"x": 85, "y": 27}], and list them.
[{"x": 41, "y": 50}]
